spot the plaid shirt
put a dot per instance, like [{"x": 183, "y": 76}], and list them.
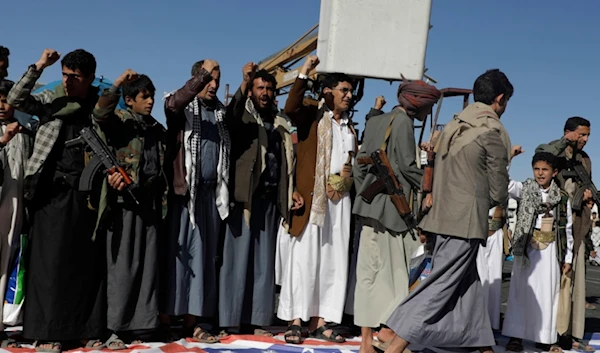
[{"x": 40, "y": 105}]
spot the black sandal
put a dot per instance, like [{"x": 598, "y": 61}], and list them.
[
  {"x": 333, "y": 337},
  {"x": 7, "y": 342},
  {"x": 514, "y": 345},
  {"x": 293, "y": 331}
]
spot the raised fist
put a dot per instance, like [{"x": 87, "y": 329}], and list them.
[
  {"x": 209, "y": 65},
  {"x": 310, "y": 64},
  {"x": 572, "y": 136},
  {"x": 48, "y": 58},
  {"x": 379, "y": 102},
  {"x": 126, "y": 77},
  {"x": 11, "y": 130},
  {"x": 515, "y": 151},
  {"x": 248, "y": 71}
]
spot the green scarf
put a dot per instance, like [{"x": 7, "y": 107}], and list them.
[{"x": 63, "y": 106}]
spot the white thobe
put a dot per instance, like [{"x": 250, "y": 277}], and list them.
[
  {"x": 315, "y": 275},
  {"x": 489, "y": 267},
  {"x": 532, "y": 310}
]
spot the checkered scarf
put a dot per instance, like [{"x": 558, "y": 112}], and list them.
[{"x": 196, "y": 152}]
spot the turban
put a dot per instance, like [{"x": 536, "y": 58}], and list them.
[{"x": 417, "y": 95}]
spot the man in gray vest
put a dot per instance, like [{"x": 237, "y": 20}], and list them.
[{"x": 386, "y": 241}]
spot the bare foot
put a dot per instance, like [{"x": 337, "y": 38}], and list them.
[
  {"x": 385, "y": 335},
  {"x": 366, "y": 345},
  {"x": 49, "y": 346},
  {"x": 262, "y": 333},
  {"x": 397, "y": 345}
]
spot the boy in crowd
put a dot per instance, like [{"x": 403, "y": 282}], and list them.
[
  {"x": 133, "y": 228},
  {"x": 15, "y": 148},
  {"x": 542, "y": 247}
]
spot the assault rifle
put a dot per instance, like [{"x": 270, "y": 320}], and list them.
[
  {"x": 387, "y": 182},
  {"x": 578, "y": 172},
  {"x": 101, "y": 157}
]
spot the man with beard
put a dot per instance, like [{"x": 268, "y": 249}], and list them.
[
  {"x": 448, "y": 309},
  {"x": 386, "y": 241},
  {"x": 262, "y": 184},
  {"x": 569, "y": 150},
  {"x": 66, "y": 293},
  {"x": 316, "y": 273},
  {"x": 197, "y": 167}
]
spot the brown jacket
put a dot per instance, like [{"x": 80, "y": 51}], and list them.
[
  {"x": 306, "y": 119},
  {"x": 248, "y": 150},
  {"x": 174, "y": 106}
]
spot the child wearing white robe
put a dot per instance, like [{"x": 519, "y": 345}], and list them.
[{"x": 535, "y": 283}]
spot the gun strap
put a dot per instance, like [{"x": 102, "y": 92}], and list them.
[{"x": 388, "y": 132}]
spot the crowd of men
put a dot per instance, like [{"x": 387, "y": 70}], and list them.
[{"x": 205, "y": 218}]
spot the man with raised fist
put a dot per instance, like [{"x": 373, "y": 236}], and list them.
[
  {"x": 262, "y": 156},
  {"x": 66, "y": 293}
]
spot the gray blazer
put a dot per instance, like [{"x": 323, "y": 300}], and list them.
[
  {"x": 466, "y": 186},
  {"x": 401, "y": 151}
]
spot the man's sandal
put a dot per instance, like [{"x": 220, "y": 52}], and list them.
[
  {"x": 7, "y": 342},
  {"x": 334, "y": 336},
  {"x": 10, "y": 343},
  {"x": 293, "y": 335},
  {"x": 56, "y": 347},
  {"x": 514, "y": 346},
  {"x": 114, "y": 343},
  {"x": 380, "y": 346},
  {"x": 582, "y": 346},
  {"x": 201, "y": 336},
  {"x": 94, "y": 345},
  {"x": 223, "y": 334}
]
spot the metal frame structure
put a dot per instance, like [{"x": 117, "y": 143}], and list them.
[{"x": 433, "y": 119}]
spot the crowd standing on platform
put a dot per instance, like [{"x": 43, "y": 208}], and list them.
[{"x": 212, "y": 217}]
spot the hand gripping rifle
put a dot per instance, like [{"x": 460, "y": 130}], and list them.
[
  {"x": 578, "y": 172},
  {"x": 387, "y": 182},
  {"x": 101, "y": 157}
]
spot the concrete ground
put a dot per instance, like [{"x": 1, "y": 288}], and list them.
[{"x": 592, "y": 322}]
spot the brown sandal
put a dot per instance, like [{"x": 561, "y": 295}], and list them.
[
  {"x": 380, "y": 346},
  {"x": 202, "y": 336}
]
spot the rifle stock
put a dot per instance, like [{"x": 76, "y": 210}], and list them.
[{"x": 427, "y": 184}]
